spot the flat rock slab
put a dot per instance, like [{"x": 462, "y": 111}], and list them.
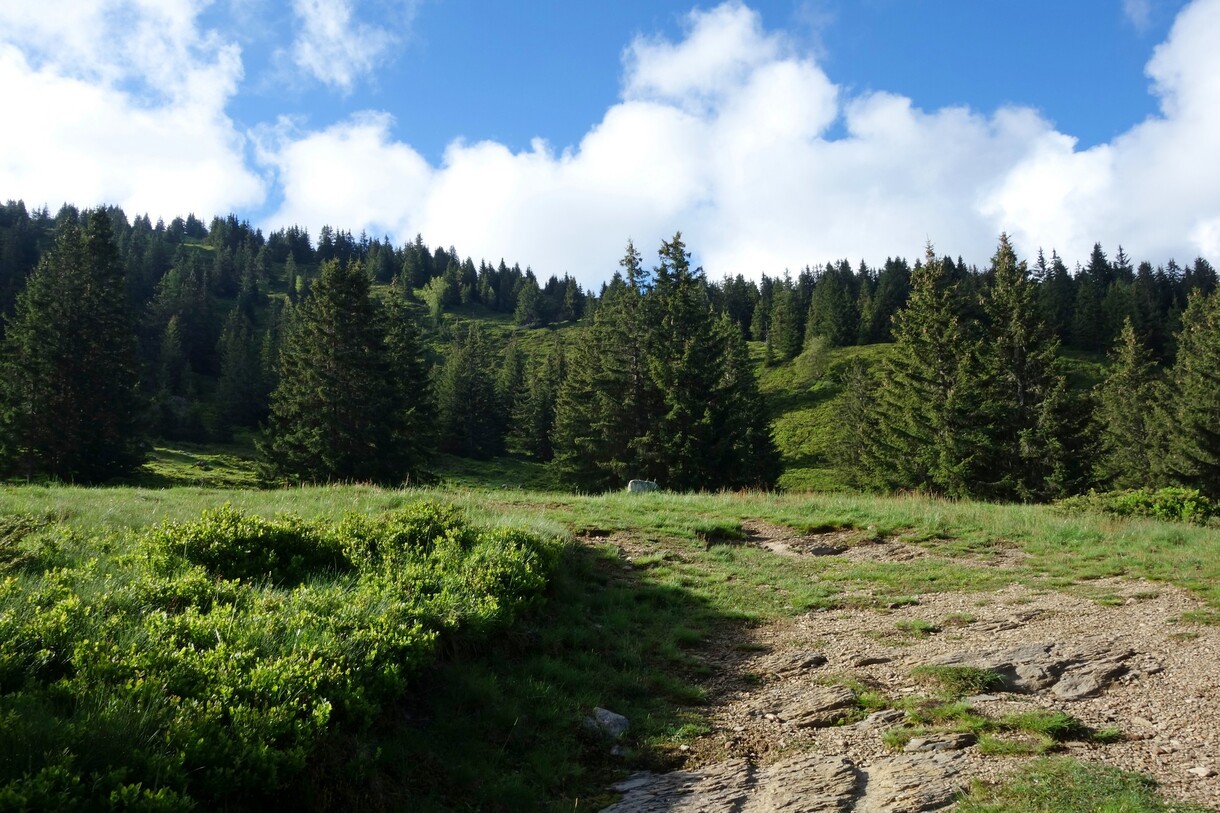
[
  {"x": 809, "y": 783},
  {"x": 1068, "y": 671},
  {"x": 819, "y": 706}
]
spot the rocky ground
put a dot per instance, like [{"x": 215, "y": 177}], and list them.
[{"x": 787, "y": 728}]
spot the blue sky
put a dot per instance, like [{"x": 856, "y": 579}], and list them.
[{"x": 774, "y": 134}]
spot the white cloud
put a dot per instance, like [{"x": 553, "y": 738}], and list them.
[
  {"x": 1155, "y": 188},
  {"x": 731, "y": 133},
  {"x": 335, "y": 47},
  {"x": 349, "y": 175},
  {"x": 1138, "y": 13},
  {"x": 123, "y": 102}
]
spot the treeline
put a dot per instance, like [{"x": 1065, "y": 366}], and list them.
[
  {"x": 210, "y": 304},
  {"x": 1085, "y": 309},
  {"x": 340, "y": 362},
  {"x": 973, "y": 400},
  {"x": 338, "y": 355}
]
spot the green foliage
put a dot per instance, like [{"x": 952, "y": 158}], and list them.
[
  {"x": 1194, "y": 430},
  {"x": 1175, "y": 504},
  {"x": 1130, "y": 416},
  {"x": 661, "y": 388},
  {"x": 1068, "y": 786},
  {"x": 222, "y": 656},
  {"x": 69, "y": 403},
  {"x": 469, "y": 407},
  {"x": 352, "y": 401},
  {"x": 972, "y": 401}
]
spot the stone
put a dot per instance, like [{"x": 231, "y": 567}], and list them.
[
  {"x": 1069, "y": 671},
  {"x": 806, "y": 783},
  {"x": 882, "y": 718},
  {"x": 641, "y": 486},
  {"x": 910, "y": 783},
  {"x": 798, "y": 662},
  {"x": 607, "y": 723},
  {"x": 1202, "y": 771},
  {"x": 940, "y": 742},
  {"x": 820, "y": 706}
]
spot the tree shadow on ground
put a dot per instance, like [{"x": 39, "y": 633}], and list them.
[{"x": 498, "y": 724}]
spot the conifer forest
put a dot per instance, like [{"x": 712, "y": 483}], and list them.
[{"x": 348, "y": 359}]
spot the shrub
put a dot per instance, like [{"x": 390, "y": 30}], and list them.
[
  {"x": 213, "y": 668},
  {"x": 1174, "y": 504}
]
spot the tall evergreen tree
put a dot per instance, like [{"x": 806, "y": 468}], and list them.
[
  {"x": 338, "y": 412},
  {"x": 468, "y": 404},
  {"x": 1017, "y": 391},
  {"x": 684, "y": 353},
  {"x": 922, "y": 438},
  {"x": 1194, "y": 433},
  {"x": 1127, "y": 416},
  {"x": 69, "y": 400}
]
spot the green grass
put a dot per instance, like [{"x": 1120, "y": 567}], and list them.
[
  {"x": 496, "y": 724},
  {"x": 1067, "y": 786},
  {"x": 959, "y": 681}
]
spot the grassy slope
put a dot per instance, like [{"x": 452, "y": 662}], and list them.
[
  {"x": 498, "y": 727},
  {"x": 804, "y": 406}
]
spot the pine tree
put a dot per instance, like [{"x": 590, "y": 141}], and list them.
[
  {"x": 607, "y": 398},
  {"x": 468, "y": 407},
  {"x": 1127, "y": 407},
  {"x": 535, "y": 416},
  {"x": 239, "y": 391},
  {"x": 338, "y": 413},
  {"x": 684, "y": 353},
  {"x": 1194, "y": 432},
  {"x": 922, "y": 438},
  {"x": 69, "y": 401},
  {"x": 744, "y": 454},
  {"x": 1014, "y": 385}
]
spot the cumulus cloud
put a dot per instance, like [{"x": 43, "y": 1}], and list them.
[
  {"x": 335, "y": 47},
  {"x": 730, "y": 132},
  {"x": 725, "y": 134},
  {"x": 125, "y": 102}
]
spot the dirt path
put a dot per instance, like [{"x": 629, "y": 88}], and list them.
[{"x": 1124, "y": 664}]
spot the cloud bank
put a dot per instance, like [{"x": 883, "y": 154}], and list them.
[{"x": 729, "y": 133}]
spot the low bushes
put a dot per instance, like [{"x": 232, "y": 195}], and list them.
[
  {"x": 212, "y": 661},
  {"x": 1175, "y": 504}
]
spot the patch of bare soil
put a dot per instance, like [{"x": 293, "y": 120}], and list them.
[{"x": 1127, "y": 664}]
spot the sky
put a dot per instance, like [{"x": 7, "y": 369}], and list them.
[{"x": 773, "y": 134}]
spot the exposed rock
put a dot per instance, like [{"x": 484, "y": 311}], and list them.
[
  {"x": 797, "y": 662},
  {"x": 641, "y": 486},
  {"x": 1202, "y": 771},
  {"x": 913, "y": 782},
  {"x": 819, "y": 706},
  {"x": 940, "y": 742},
  {"x": 607, "y": 723},
  {"x": 882, "y": 718},
  {"x": 1069, "y": 671},
  {"x": 809, "y": 783}
]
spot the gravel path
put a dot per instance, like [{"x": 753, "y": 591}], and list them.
[{"x": 1164, "y": 697}]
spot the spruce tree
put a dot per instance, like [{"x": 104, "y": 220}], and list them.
[
  {"x": 468, "y": 406},
  {"x": 744, "y": 454},
  {"x": 1127, "y": 416},
  {"x": 69, "y": 401},
  {"x": 921, "y": 412},
  {"x": 684, "y": 354},
  {"x": 338, "y": 413},
  {"x": 1013, "y": 385},
  {"x": 1194, "y": 433}
]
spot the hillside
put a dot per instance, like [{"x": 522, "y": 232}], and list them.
[{"x": 708, "y": 621}]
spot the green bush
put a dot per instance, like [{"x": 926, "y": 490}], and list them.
[
  {"x": 1174, "y": 504},
  {"x": 215, "y": 665}
]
